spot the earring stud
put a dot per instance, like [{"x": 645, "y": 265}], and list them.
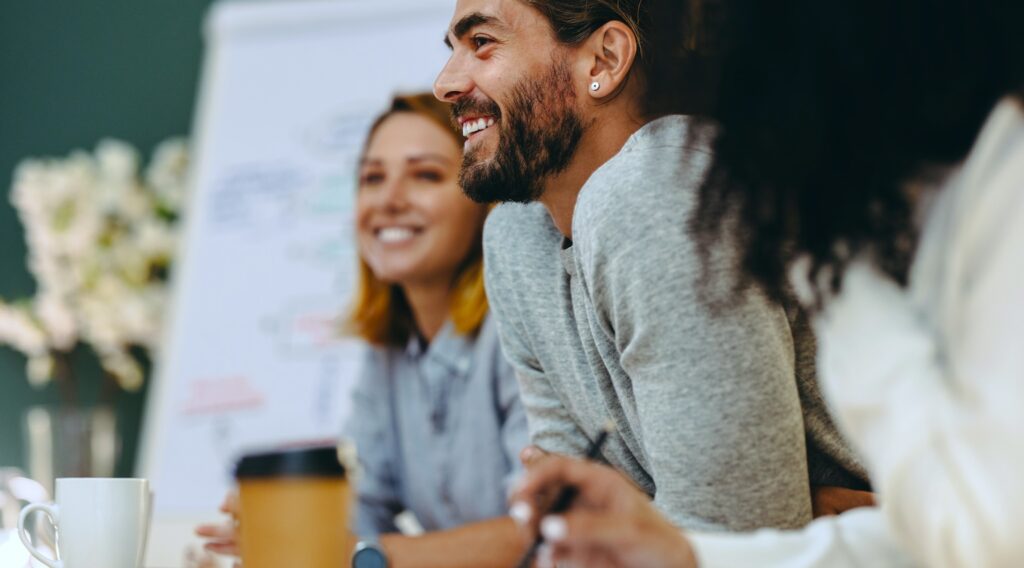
[{"x": 595, "y": 86}]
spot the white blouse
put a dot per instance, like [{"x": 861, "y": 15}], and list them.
[{"x": 928, "y": 383}]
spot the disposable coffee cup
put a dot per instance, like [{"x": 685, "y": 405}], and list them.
[
  {"x": 101, "y": 523},
  {"x": 293, "y": 509}
]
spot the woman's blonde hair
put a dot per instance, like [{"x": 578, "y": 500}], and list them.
[{"x": 381, "y": 315}]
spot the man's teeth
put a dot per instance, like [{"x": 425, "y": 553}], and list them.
[
  {"x": 394, "y": 234},
  {"x": 471, "y": 126}
]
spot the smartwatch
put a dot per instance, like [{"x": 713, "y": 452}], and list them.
[{"x": 369, "y": 554}]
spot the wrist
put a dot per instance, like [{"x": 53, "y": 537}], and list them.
[
  {"x": 369, "y": 553},
  {"x": 687, "y": 556},
  {"x": 681, "y": 551}
]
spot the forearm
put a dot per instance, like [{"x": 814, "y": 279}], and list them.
[
  {"x": 731, "y": 480},
  {"x": 492, "y": 543},
  {"x": 734, "y": 457},
  {"x": 551, "y": 426}
]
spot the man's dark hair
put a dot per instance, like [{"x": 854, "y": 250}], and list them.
[
  {"x": 827, "y": 109},
  {"x": 677, "y": 40}
]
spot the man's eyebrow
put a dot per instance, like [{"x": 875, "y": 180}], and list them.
[{"x": 468, "y": 22}]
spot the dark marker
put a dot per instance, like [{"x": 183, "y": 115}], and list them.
[{"x": 568, "y": 493}]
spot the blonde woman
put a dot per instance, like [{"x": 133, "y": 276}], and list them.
[{"x": 436, "y": 413}]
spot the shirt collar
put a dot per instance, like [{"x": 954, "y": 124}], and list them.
[
  {"x": 449, "y": 349},
  {"x": 568, "y": 260}
]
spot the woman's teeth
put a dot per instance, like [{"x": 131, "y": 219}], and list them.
[
  {"x": 395, "y": 234},
  {"x": 472, "y": 126}
]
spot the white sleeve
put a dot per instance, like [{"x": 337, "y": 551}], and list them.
[
  {"x": 857, "y": 539},
  {"x": 941, "y": 423}
]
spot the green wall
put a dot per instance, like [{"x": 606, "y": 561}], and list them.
[{"x": 72, "y": 73}]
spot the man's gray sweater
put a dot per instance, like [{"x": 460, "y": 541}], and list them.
[{"x": 611, "y": 325}]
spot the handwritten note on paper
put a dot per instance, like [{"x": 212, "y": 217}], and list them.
[{"x": 256, "y": 358}]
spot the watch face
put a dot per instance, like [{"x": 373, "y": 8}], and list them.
[{"x": 369, "y": 557}]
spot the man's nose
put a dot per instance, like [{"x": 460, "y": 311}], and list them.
[{"x": 453, "y": 82}]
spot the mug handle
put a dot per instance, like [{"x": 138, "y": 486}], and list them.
[{"x": 52, "y": 511}]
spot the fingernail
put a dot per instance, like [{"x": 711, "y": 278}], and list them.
[
  {"x": 553, "y": 528},
  {"x": 521, "y": 512},
  {"x": 545, "y": 557}
]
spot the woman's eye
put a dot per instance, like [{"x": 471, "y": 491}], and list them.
[
  {"x": 433, "y": 177},
  {"x": 371, "y": 179}
]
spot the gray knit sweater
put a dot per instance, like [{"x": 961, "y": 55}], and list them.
[{"x": 609, "y": 325}]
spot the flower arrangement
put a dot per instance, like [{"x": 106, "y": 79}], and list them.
[{"x": 100, "y": 243}]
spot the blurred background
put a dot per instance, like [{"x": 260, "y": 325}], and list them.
[
  {"x": 71, "y": 76},
  {"x": 194, "y": 157}
]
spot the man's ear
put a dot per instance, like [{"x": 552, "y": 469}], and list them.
[{"x": 610, "y": 53}]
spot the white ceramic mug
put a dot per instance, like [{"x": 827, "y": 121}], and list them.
[{"x": 101, "y": 523}]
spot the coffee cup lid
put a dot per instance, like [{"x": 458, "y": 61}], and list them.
[{"x": 300, "y": 462}]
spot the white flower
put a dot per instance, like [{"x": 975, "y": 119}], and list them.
[
  {"x": 135, "y": 319},
  {"x": 20, "y": 331},
  {"x": 56, "y": 318},
  {"x": 124, "y": 368},
  {"x": 132, "y": 206},
  {"x": 95, "y": 235},
  {"x": 100, "y": 329},
  {"x": 99, "y": 313},
  {"x": 118, "y": 161},
  {"x": 147, "y": 331},
  {"x": 39, "y": 370},
  {"x": 168, "y": 172},
  {"x": 132, "y": 265},
  {"x": 79, "y": 237},
  {"x": 155, "y": 239}
]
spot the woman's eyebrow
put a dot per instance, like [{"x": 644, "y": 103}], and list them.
[{"x": 428, "y": 157}]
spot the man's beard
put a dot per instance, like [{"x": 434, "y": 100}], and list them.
[{"x": 537, "y": 138}]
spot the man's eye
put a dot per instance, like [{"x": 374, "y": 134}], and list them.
[{"x": 480, "y": 42}]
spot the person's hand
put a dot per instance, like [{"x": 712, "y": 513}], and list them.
[
  {"x": 826, "y": 501},
  {"x": 223, "y": 537},
  {"x": 531, "y": 455},
  {"x": 611, "y": 523},
  {"x": 198, "y": 558}
]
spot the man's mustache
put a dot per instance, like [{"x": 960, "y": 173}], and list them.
[{"x": 467, "y": 105}]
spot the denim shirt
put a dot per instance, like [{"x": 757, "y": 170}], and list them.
[{"x": 438, "y": 432}]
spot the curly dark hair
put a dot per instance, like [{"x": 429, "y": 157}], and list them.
[{"x": 827, "y": 108}]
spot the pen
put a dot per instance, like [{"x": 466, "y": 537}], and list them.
[{"x": 568, "y": 493}]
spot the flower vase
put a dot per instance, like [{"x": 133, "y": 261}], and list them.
[{"x": 62, "y": 441}]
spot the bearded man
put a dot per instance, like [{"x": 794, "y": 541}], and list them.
[{"x": 598, "y": 288}]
